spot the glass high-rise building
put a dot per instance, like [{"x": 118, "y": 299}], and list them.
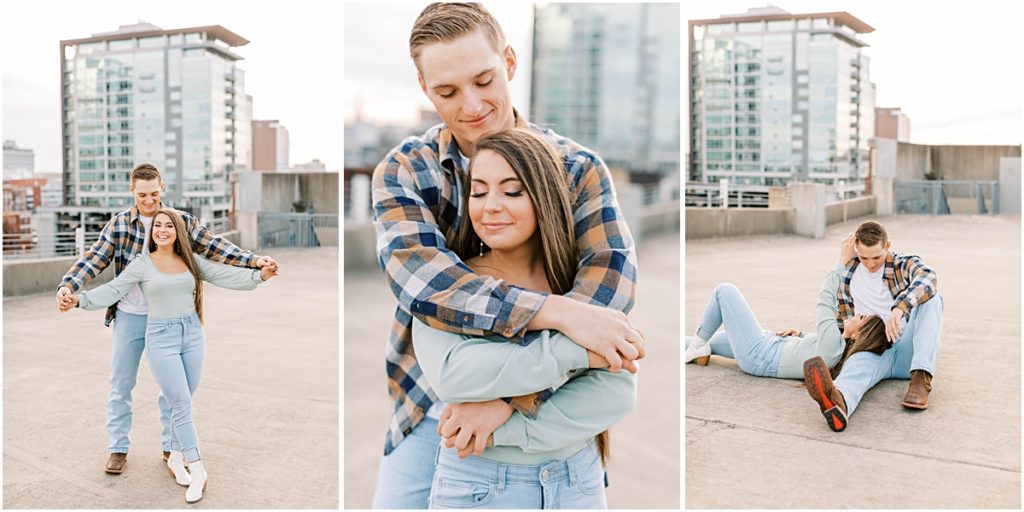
[
  {"x": 174, "y": 98},
  {"x": 777, "y": 97},
  {"x": 607, "y": 76}
]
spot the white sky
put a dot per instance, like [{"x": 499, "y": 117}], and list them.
[
  {"x": 379, "y": 74},
  {"x": 291, "y": 64},
  {"x": 952, "y": 67}
]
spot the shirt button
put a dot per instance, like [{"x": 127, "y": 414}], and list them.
[
  {"x": 508, "y": 333},
  {"x": 544, "y": 474},
  {"x": 465, "y": 318}
]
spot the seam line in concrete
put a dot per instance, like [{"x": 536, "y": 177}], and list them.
[{"x": 810, "y": 438}]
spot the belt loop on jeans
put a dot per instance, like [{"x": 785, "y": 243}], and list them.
[{"x": 501, "y": 477}]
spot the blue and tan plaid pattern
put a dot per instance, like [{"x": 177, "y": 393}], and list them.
[
  {"x": 417, "y": 196},
  {"x": 910, "y": 282},
  {"x": 123, "y": 238}
]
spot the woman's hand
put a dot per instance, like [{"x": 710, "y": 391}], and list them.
[
  {"x": 789, "y": 332},
  {"x": 468, "y": 427},
  {"x": 268, "y": 271},
  {"x": 846, "y": 250}
]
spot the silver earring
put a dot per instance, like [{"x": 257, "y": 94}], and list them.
[{"x": 481, "y": 248}]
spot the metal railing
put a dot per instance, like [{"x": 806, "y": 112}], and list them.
[
  {"x": 943, "y": 197},
  {"x": 710, "y": 196},
  {"x": 295, "y": 229},
  {"x": 22, "y": 246}
]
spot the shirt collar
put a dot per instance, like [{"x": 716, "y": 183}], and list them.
[
  {"x": 133, "y": 213},
  {"x": 449, "y": 150}
]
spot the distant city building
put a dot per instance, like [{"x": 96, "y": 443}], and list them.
[
  {"x": 315, "y": 166},
  {"x": 269, "y": 146},
  {"x": 174, "y": 98},
  {"x": 776, "y": 97},
  {"x": 891, "y": 123},
  {"x": 607, "y": 76},
  {"x": 19, "y": 163}
]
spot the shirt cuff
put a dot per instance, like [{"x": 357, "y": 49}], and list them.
[
  {"x": 568, "y": 354},
  {"x": 516, "y": 311},
  {"x": 512, "y": 432}
]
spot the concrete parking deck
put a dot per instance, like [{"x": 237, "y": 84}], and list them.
[
  {"x": 644, "y": 470},
  {"x": 266, "y": 411},
  {"x": 760, "y": 443}
]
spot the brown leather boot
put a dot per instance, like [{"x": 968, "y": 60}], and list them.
[
  {"x": 821, "y": 388},
  {"x": 116, "y": 463},
  {"x": 917, "y": 393}
]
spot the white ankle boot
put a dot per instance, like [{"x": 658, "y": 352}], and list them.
[
  {"x": 176, "y": 468},
  {"x": 198, "y": 485},
  {"x": 698, "y": 351}
]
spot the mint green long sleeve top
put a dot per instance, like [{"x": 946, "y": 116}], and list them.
[
  {"x": 827, "y": 342},
  {"x": 587, "y": 401},
  {"x": 168, "y": 295}
]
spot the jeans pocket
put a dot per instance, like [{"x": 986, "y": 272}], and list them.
[
  {"x": 590, "y": 479},
  {"x": 156, "y": 330},
  {"x": 458, "y": 490}
]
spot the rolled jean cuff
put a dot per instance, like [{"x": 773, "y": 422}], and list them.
[{"x": 191, "y": 455}]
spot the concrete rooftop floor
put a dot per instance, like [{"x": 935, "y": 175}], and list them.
[
  {"x": 266, "y": 410},
  {"x": 644, "y": 469},
  {"x": 761, "y": 443}
]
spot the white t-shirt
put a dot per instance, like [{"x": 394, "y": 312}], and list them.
[
  {"x": 870, "y": 294},
  {"x": 135, "y": 302}
]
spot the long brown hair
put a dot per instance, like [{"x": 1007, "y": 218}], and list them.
[
  {"x": 183, "y": 248},
  {"x": 538, "y": 167}
]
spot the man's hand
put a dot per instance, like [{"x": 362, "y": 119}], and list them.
[
  {"x": 265, "y": 261},
  {"x": 892, "y": 325},
  {"x": 468, "y": 427},
  {"x": 594, "y": 360},
  {"x": 65, "y": 298},
  {"x": 789, "y": 332},
  {"x": 69, "y": 304},
  {"x": 606, "y": 332},
  {"x": 268, "y": 271},
  {"x": 846, "y": 250}
]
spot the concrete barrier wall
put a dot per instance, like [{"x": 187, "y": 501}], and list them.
[
  {"x": 661, "y": 219},
  {"x": 971, "y": 163},
  {"x": 730, "y": 222},
  {"x": 27, "y": 277},
  {"x": 843, "y": 211},
  {"x": 1009, "y": 185},
  {"x": 360, "y": 247},
  {"x": 913, "y": 162}
]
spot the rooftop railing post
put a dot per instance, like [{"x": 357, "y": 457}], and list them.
[
  {"x": 723, "y": 193},
  {"x": 80, "y": 240}
]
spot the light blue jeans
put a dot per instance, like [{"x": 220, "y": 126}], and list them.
[
  {"x": 756, "y": 351},
  {"x": 126, "y": 351},
  {"x": 473, "y": 482},
  {"x": 175, "y": 348},
  {"x": 405, "y": 474},
  {"x": 916, "y": 349}
]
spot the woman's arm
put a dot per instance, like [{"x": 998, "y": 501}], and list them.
[
  {"x": 225, "y": 276},
  {"x": 108, "y": 294},
  {"x": 582, "y": 408},
  {"x": 462, "y": 369}
]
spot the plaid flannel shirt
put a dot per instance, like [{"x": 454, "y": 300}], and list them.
[
  {"x": 123, "y": 238},
  {"x": 910, "y": 282},
  {"x": 417, "y": 196}
]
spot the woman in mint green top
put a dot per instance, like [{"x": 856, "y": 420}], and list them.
[
  {"x": 517, "y": 227},
  {"x": 171, "y": 277},
  {"x": 782, "y": 354}
]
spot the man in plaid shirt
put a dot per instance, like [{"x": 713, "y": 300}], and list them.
[
  {"x": 120, "y": 241},
  {"x": 900, "y": 289},
  {"x": 464, "y": 68}
]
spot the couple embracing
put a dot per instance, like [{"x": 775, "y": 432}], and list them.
[
  {"x": 879, "y": 316},
  {"x": 161, "y": 257},
  {"x": 510, "y": 355}
]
